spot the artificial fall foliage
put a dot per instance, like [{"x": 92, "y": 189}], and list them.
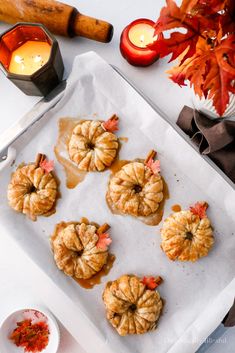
[
  {"x": 204, "y": 43},
  {"x": 199, "y": 209}
]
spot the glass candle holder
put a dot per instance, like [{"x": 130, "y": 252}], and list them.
[
  {"x": 30, "y": 58},
  {"x": 134, "y": 43}
]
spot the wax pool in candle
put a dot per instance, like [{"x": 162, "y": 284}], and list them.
[
  {"x": 134, "y": 42},
  {"x": 141, "y": 34},
  {"x": 29, "y": 57}
]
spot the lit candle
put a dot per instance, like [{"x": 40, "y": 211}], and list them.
[
  {"x": 134, "y": 43},
  {"x": 29, "y": 57},
  {"x": 141, "y": 34}
]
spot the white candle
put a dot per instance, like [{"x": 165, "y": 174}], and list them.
[
  {"x": 29, "y": 57},
  {"x": 141, "y": 34}
]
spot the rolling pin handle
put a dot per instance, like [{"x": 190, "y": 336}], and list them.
[{"x": 92, "y": 28}]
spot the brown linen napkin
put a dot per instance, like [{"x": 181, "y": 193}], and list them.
[
  {"x": 215, "y": 138},
  {"x": 229, "y": 319}
]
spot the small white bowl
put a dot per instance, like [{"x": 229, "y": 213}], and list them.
[{"x": 9, "y": 324}]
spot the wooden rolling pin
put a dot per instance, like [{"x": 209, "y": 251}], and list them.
[{"x": 59, "y": 18}]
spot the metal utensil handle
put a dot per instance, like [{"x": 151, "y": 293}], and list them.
[
  {"x": 29, "y": 119},
  {"x": 10, "y": 156}
]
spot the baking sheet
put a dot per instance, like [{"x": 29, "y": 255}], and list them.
[{"x": 190, "y": 290}]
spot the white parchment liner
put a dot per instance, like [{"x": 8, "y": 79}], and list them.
[{"x": 198, "y": 295}]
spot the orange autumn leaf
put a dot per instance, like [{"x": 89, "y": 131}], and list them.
[
  {"x": 151, "y": 282},
  {"x": 199, "y": 209},
  {"x": 178, "y": 43},
  {"x": 202, "y": 37},
  {"x": 211, "y": 72},
  {"x": 153, "y": 165},
  {"x": 193, "y": 69},
  {"x": 188, "y": 5},
  {"x": 227, "y": 21},
  {"x": 47, "y": 166},
  {"x": 104, "y": 241},
  {"x": 111, "y": 124},
  {"x": 199, "y": 5}
]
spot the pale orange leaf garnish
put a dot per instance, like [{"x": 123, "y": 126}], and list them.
[
  {"x": 104, "y": 241},
  {"x": 151, "y": 282},
  {"x": 111, "y": 124},
  {"x": 199, "y": 209},
  {"x": 47, "y": 166},
  {"x": 153, "y": 165}
]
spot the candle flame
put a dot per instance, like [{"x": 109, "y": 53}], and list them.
[
  {"x": 18, "y": 59},
  {"x": 37, "y": 58},
  {"x": 142, "y": 38}
]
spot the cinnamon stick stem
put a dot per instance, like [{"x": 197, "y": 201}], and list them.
[
  {"x": 114, "y": 117},
  {"x": 158, "y": 280},
  {"x": 151, "y": 155},
  {"x": 205, "y": 204},
  {"x": 102, "y": 229},
  {"x": 40, "y": 157}
]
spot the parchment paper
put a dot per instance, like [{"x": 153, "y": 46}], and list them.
[{"x": 197, "y": 296}]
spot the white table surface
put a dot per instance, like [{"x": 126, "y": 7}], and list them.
[{"x": 21, "y": 282}]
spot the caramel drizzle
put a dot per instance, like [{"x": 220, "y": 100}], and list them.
[{"x": 176, "y": 208}]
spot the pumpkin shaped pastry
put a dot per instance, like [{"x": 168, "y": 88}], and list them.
[
  {"x": 187, "y": 235},
  {"x": 132, "y": 304},
  {"x": 33, "y": 189},
  {"x": 80, "y": 248},
  {"x": 137, "y": 188},
  {"x": 93, "y": 146}
]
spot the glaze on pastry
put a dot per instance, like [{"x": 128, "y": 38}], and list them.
[
  {"x": 131, "y": 307},
  {"x": 92, "y": 146},
  {"x": 187, "y": 235},
  {"x": 32, "y": 189},
  {"x": 136, "y": 189},
  {"x": 76, "y": 249}
]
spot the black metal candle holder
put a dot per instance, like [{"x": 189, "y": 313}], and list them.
[{"x": 45, "y": 79}]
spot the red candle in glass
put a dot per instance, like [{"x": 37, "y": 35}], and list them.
[{"x": 134, "y": 40}]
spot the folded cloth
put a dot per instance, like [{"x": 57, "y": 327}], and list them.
[
  {"x": 229, "y": 319},
  {"x": 215, "y": 138}
]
